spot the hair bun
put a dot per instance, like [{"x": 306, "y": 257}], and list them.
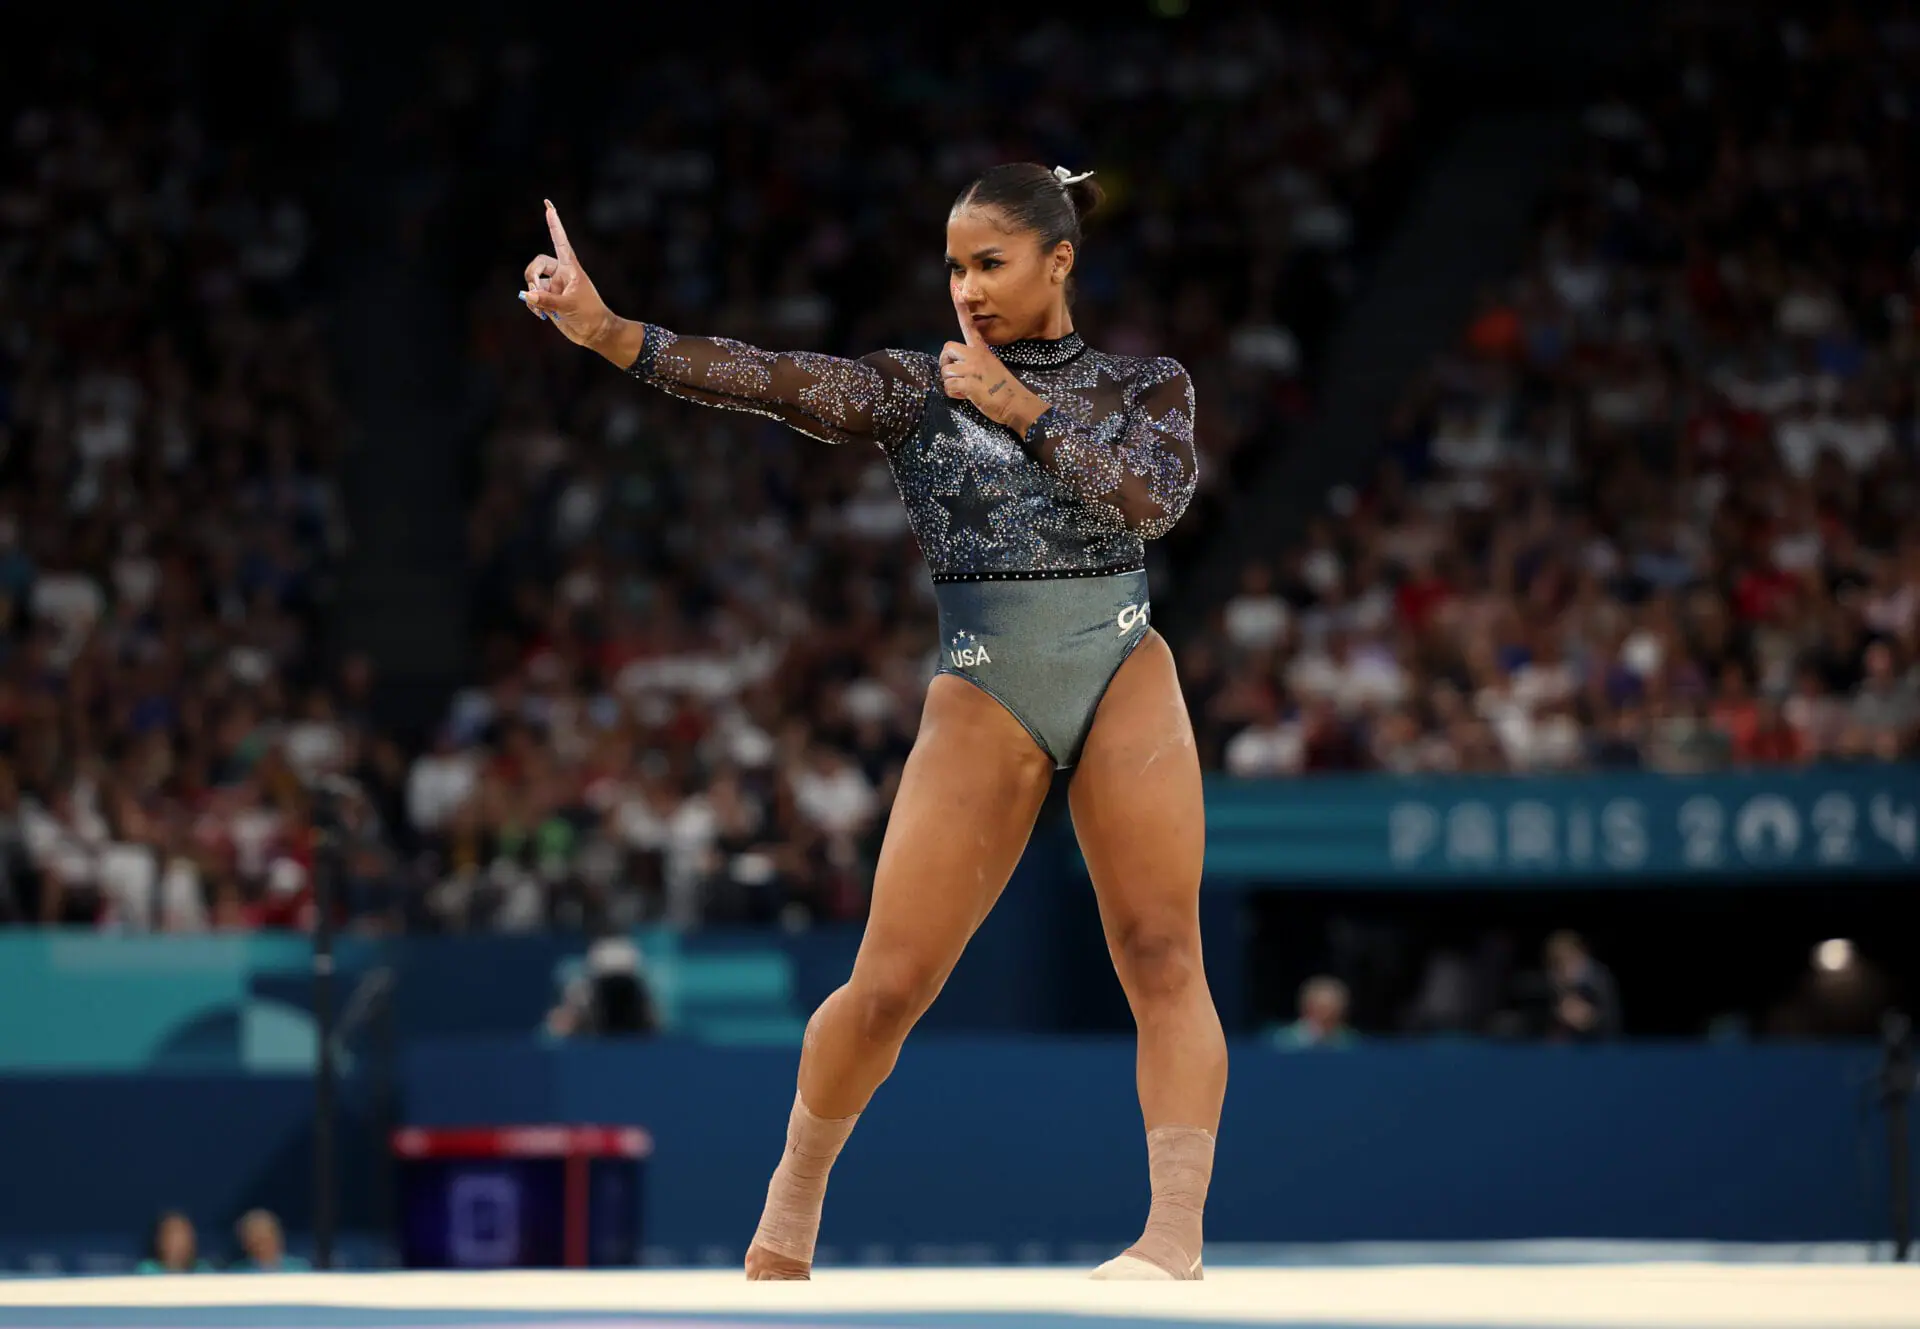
[
  {"x": 1049, "y": 201},
  {"x": 1082, "y": 190}
]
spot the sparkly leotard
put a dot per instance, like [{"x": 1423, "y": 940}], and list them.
[{"x": 1109, "y": 465}]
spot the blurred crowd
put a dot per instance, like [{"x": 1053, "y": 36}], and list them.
[
  {"x": 702, "y": 641},
  {"x": 168, "y": 521},
  {"x": 1655, "y": 509}
]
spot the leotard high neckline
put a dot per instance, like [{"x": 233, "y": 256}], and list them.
[{"x": 1041, "y": 352}]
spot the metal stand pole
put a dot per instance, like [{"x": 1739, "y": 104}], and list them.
[
  {"x": 327, "y": 828},
  {"x": 1896, "y": 1091}
]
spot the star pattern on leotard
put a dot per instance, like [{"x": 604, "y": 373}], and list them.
[
  {"x": 970, "y": 504},
  {"x": 970, "y": 501}
]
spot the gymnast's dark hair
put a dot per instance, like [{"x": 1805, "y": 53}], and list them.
[{"x": 1052, "y": 204}]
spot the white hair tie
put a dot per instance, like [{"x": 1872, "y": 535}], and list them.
[{"x": 1065, "y": 178}]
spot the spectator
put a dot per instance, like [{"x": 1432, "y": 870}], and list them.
[
  {"x": 263, "y": 1247},
  {"x": 1322, "y": 1021},
  {"x": 1269, "y": 746},
  {"x": 1621, "y": 740},
  {"x": 1584, "y": 1005},
  {"x": 1256, "y": 618},
  {"x": 172, "y": 1248},
  {"x": 1772, "y": 740},
  {"x": 1885, "y": 705}
]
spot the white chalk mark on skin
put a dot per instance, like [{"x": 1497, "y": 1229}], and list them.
[{"x": 1182, "y": 738}]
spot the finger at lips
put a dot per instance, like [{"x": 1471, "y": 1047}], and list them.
[{"x": 968, "y": 331}]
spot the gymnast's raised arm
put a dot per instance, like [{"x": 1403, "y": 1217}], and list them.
[{"x": 878, "y": 397}]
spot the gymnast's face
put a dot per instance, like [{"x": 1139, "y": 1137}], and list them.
[{"x": 1011, "y": 284}]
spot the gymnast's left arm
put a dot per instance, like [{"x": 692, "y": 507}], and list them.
[
  {"x": 1146, "y": 469},
  {"x": 878, "y": 396}
]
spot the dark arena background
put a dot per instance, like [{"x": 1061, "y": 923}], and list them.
[{"x": 440, "y": 775}]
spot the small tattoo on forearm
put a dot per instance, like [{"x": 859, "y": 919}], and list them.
[{"x": 996, "y": 387}]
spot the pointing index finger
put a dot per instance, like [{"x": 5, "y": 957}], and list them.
[
  {"x": 559, "y": 234},
  {"x": 968, "y": 332}
]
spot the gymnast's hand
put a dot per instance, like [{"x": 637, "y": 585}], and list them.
[
  {"x": 970, "y": 371},
  {"x": 559, "y": 289}
]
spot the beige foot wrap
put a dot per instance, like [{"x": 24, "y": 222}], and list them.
[
  {"x": 791, "y": 1220},
  {"x": 1180, "y": 1162}
]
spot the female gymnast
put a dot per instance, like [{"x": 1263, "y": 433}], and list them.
[{"x": 1033, "y": 468}]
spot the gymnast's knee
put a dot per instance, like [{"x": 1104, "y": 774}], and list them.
[
  {"x": 889, "y": 995},
  {"x": 1158, "y": 959}
]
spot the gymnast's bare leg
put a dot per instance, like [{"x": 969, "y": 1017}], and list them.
[
  {"x": 968, "y": 798},
  {"x": 1138, "y": 813}
]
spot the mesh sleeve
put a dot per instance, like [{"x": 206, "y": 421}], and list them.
[
  {"x": 1146, "y": 469},
  {"x": 878, "y": 397}
]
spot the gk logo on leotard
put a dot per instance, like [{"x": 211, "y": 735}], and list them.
[
  {"x": 965, "y": 651},
  {"x": 1133, "y": 616}
]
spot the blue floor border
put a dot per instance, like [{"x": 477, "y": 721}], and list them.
[{"x": 19, "y": 1260}]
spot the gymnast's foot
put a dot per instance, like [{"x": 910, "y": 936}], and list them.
[
  {"x": 764, "y": 1266},
  {"x": 1133, "y": 1267}
]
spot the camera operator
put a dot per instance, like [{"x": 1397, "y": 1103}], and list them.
[{"x": 610, "y": 999}]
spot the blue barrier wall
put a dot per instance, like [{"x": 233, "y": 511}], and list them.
[
  {"x": 117, "y": 1004},
  {"x": 1421, "y": 1142},
  {"x": 1418, "y": 1142},
  {"x": 220, "y": 1004},
  {"x": 1526, "y": 831},
  {"x": 89, "y": 1161}
]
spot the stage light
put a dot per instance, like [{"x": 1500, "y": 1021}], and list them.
[{"x": 1833, "y": 956}]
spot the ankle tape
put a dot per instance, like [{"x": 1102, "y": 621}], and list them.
[
  {"x": 1180, "y": 1162},
  {"x": 791, "y": 1220}
]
